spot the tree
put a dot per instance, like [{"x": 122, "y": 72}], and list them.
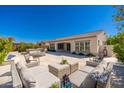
[
  {"x": 118, "y": 40},
  {"x": 21, "y": 47},
  {"x": 118, "y": 17}
]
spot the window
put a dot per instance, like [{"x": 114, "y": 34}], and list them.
[
  {"x": 87, "y": 46},
  {"x": 76, "y": 46},
  {"x": 61, "y": 46},
  {"x": 52, "y": 46},
  {"x": 82, "y": 46}
]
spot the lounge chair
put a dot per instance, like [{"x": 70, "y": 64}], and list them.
[
  {"x": 30, "y": 59},
  {"x": 21, "y": 58}
]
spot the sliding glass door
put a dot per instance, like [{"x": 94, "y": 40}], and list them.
[{"x": 82, "y": 46}]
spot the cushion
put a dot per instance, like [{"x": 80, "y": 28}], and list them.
[
  {"x": 31, "y": 52},
  {"x": 27, "y": 78},
  {"x": 19, "y": 58},
  {"x": 109, "y": 66},
  {"x": 20, "y": 65},
  {"x": 10, "y": 57},
  {"x": 44, "y": 78},
  {"x": 31, "y": 58},
  {"x": 27, "y": 56},
  {"x": 87, "y": 69},
  {"x": 97, "y": 72},
  {"x": 81, "y": 79},
  {"x": 100, "y": 68},
  {"x": 102, "y": 72},
  {"x": 104, "y": 77}
]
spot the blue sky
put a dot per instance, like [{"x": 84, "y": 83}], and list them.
[{"x": 36, "y": 23}]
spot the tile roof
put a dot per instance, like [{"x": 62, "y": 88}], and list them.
[
  {"x": 83, "y": 35},
  {"x": 90, "y": 34}
]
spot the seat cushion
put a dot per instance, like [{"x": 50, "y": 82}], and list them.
[
  {"x": 87, "y": 69},
  {"x": 19, "y": 58},
  {"x": 27, "y": 78},
  {"x": 43, "y": 78},
  {"x": 20, "y": 65},
  {"x": 100, "y": 68},
  {"x": 81, "y": 79}
]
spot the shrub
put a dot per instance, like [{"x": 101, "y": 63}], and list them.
[
  {"x": 118, "y": 45},
  {"x": 64, "y": 61},
  {"x": 119, "y": 50},
  {"x": 5, "y": 47},
  {"x": 90, "y": 55},
  {"x": 51, "y": 50},
  {"x": 80, "y": 54},
  {"x": 23, "y": 46},
  {"x": 55, "y": 85},
  {"x": 73, "y": 52}
]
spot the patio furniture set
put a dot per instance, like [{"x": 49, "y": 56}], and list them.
[{"x": 28, "y": 73}]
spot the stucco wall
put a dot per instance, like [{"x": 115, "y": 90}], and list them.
[
  {"x": 94, "y": 47},
  {"x": 93, "y": 44},
  {"x": 102, "y": 38},
  {"x": 109, "y": 50}
]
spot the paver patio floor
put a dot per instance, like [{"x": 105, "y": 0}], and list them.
[{"x": 5, "y": 75}]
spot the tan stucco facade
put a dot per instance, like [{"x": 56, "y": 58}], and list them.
[{"x": 95, "y": 42}]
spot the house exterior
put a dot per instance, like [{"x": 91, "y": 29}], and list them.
[{"x": 82, "y": 43}]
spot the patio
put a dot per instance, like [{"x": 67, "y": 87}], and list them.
[{"x": 50, "y": 57}]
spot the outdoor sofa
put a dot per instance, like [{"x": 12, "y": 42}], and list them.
[
  {"x": 91, "y": 76},
  {"x": 31, "y": 76}
]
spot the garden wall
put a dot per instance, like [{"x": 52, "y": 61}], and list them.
[{"x": 109, "y": 48}]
